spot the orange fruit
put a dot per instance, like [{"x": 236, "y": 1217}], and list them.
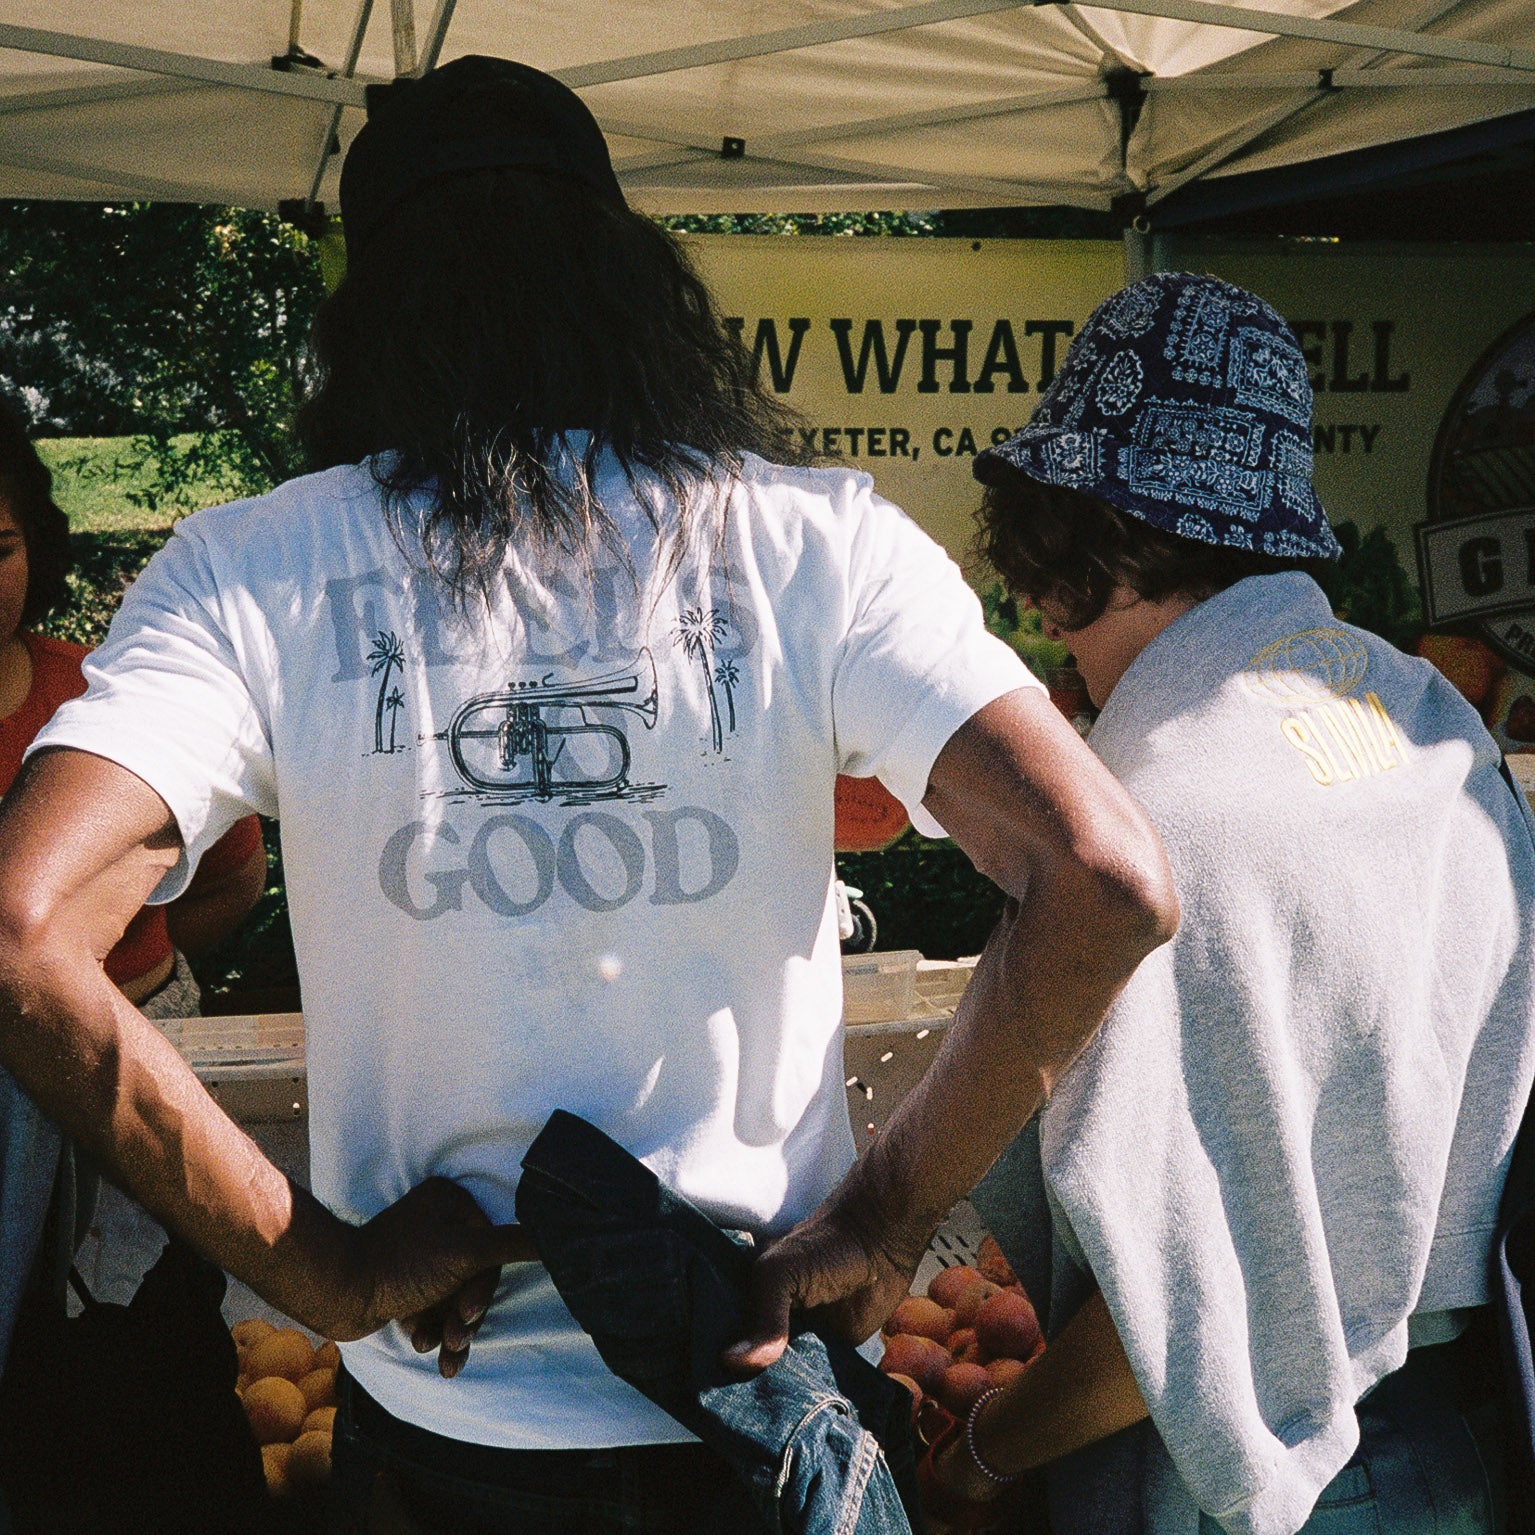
[
  {"x": 921, "y": 1318},
  {"x": 250, "y": 1331},
  {"x": 319, "y": 1388},
  {"x": 866, "y": 815},
  {"x": 275, "y": 1461},
  {"x": 951, "y": 1283},
  {"x": 918, "y": 1358},
  {"x": 321, "y": 1417},
  {"x": 327, "y": 1356},
  {"x": 285, "y": 1351},
  {"x": 310, "y": 1465},
  {"x": 275, "y": 1409}
]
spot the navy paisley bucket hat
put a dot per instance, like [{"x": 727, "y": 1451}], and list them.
[{"x": 1184, "y": 401}]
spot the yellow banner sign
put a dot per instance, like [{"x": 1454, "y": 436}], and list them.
[{"x": 906, "y": 357}]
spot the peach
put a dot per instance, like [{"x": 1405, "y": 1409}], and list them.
[
  {"x": 962, "y": 1387},
  {"x": 327, "y": 1356},
  {"x": 285, "y": 1351},
  {"x": 319, "y": 1388},
  {"x": 1004, "y": 1372},
  {"x": 321, "y": 1417},
  {"x": 993, "y": 1265},
  {"x": 970, "y": 1303},
  {"x": 1468, "y": 663},
  {"x": 921, "y": 1318},
  {"x": 1007, "y": 1327},
  {"x": 966, "y": 1347},
  {"x": 276, "y": 1460},
  {"x": 310, "y": 1464},
  {"x": 949, "y": 1284},
  {"x": 919, "y": 1358},
  {"x": 275, "y": 1409},
  {"x": 250, "y": 1331}
]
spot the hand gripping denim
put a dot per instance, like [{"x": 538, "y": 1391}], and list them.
[{"x": 821, "y": 1439}]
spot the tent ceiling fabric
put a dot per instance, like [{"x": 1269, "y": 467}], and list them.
[{"x": 840, "y": 104}]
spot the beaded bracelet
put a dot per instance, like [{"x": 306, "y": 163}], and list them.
[{"x": 975, "y": 1454}]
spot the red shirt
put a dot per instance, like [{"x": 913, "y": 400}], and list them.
[{"x": 56, "y": 678}]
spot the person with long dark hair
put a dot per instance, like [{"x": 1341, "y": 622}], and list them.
[{"x": 548, "y": 671}]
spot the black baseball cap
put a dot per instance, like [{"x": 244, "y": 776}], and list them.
[{"x": 472, "y": 114}]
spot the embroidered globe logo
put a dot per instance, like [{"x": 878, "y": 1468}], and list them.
[{"x": 1308, "y": 667}]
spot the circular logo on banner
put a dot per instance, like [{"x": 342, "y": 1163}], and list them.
[{"x": 1484, "y": 468}]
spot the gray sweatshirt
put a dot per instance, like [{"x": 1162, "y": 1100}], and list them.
[{"x": 1293, "y": 1129}]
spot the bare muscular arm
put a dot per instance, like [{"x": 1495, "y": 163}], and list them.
[
  {"x": 83, "y": 843},
  {"x": 1090, "y": 895}
]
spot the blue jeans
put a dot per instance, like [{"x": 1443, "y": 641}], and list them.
[
  {"x": 821, "y": 1440},
  {"x": 382, "y": 1467},
  {"x": 1428, "y": 1461}
]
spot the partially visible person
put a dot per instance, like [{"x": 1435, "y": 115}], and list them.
[
  {"x": 148, "y": 964},
  {"x": 1261, "y": 1207}
]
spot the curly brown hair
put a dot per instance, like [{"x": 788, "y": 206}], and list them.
[{"x": 1054, "y": 544}]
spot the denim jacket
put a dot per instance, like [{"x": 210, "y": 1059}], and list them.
[{"x": 821, "y": 1438}]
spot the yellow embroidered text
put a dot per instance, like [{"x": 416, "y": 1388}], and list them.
[{"x": 1345, "y": 739}]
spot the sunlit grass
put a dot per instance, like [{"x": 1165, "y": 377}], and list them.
[{"x": 94, "y": 479}]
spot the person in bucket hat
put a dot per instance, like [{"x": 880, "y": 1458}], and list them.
[
  {"x": 550, "y": 667},
  {"x": 1258, "y": 1212},
  {"x": 1185, "y": 402}
]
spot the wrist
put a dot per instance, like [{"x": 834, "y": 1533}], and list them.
[
  {"x": 980, "y": 1444},
  {"x": 318, "y": 1271},
  {"x": 877, "y": 1202}
]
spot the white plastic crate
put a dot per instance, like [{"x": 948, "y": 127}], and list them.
[
  {"x": 878, "y": 987},
  {"x": 252, "y": 1064}
]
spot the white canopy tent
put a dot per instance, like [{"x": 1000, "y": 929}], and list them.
[{"x": 778, "y": 105}]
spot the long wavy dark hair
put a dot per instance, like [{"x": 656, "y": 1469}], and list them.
[
  {"x": 27, "y": 485},
  {"x": 496, "y": 310}
]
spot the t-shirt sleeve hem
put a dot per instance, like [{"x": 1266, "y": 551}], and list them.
[
  {"x": 146, "y": 759},
  {"x": 934, "y": 724}
]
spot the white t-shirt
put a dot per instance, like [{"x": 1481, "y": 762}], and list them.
[{"x": 571, "y": 850}]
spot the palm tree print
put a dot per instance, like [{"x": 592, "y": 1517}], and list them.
[
  {"x": 392, "y": 703},
  {"x": 387, "y": 657},
  {"x": 697, "y": 630},
  {"x": 726, "y": 674}
]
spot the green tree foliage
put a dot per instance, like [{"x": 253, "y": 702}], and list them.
[
  {"x": 925, "y": 895},
  {"x": 803, "y": 223},
  {"x": 1370, "y": 587},
  {"x": 181, "y": 326},
  {"x": 1023, "y": 629}
]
